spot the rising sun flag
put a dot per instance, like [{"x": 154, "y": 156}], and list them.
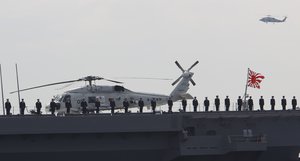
[{"x": 254, "y": 79}]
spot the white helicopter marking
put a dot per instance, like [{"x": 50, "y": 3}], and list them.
[{"x": 92, "y": 92}]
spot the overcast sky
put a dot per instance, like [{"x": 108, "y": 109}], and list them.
[{"x": 58, "y": 40}]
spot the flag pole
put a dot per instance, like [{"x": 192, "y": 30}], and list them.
[{"x": 246, "y": 89}]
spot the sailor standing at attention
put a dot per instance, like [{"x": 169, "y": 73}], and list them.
[
  {"x": 227, "y": 103},
  {"x": 112, "y": 104},
  {"x": 272, "y": 102},
  {"x": 141, "y": 105},
  {"x": 83, "y": 105},
  {"x": 170, "y": 105},
  {"x": 38, "y": 106},
  {"x": 97, "y": 105},
  {"x": 283, "y": 103},
  {"x": 261, "y": 103},
  {"x": 217, "y": 103},
  {"x": 206, "y": 104},
  {"x": 153, "y": 105},
  {"x": 22, "y": 107},
  {"x": 294, "y": 103},
  {"x": 240, "y": 103},
  {"x": 68, "y": 105},
  {"x": 52, "y": 106},
  {"x": 126, "y": 105},
  {"x": 195, "y": 104},
  {"x": 250, "y": 103},
  {"x": 7, "y": 107},
  {"x": 184, "y": 103}
]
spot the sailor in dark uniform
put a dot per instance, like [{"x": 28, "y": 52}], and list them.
[
  {"x": 227, "y": 103},
  {"x": 141, "y": 105},
  {"x": 250, "y": 103},
  {"x": 7, "y": 107},
  {"x": 283, "y": 103},
  {"x": 261, "y": 103},
  {"x": 206, "y": 104},
  {"x": 184, "y": 103},
  {"x": 240, "y": 103},
  {"x": 38, "y": 106},
  {"x": 294, "y": 103},
  {"x": 153, "y": 105},
  {"x": 83, "y": 105},
  {"x": 195, "y": 104},
  {"x": 22, "y": 107},
  {"x": 68, "y": 105},
  {"x": 272, "y": 102},
  {"x": 126, "y": 105},
  {"x": 112, "y": 104},
  {"x": 170, "y": 105},
  {"x": 52, "y": 106},
  {"x": 217, "y": 103},
  {"x": 97, "y": 105}
]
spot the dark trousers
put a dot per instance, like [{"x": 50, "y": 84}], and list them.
[
  {"x": 239, "y": 107},
  {"x": 52, "y": 110},
  {"x": 250, "y": 107},
  {"x": 206, "y": 108},
  {"x": 170, "y": 108},
  {"x": 217, "y": 107},
  {"x": 141, "y": 109},
  {"x": 22, "y": 109},
  {"x": 261, "y": 107},
  {"x": 112, "y": 110},
  {"x": 283, "y": 107},
  {"x": 195, "y": 108},
  {"x": 68, "y": 110},
  {"x": 294, "y": 107},
  {"x": 184, "y": 108},
  {"x": 272, "y": 107},
  {"x": 97, "y": 109},
  {"x": 126, "y": 109},
  {"x": 38, "y": 111},
  {"x": 84, "y": 110},
  {"x": 153, "y": 109},
  {"x": 227, "y": 108},
  {"x": 7, "y": 111}
]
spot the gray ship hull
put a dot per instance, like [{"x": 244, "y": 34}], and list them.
[{"x": 213, "y": 136}]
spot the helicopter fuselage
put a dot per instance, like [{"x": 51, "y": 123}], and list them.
[{"x": 104, "y": 94}]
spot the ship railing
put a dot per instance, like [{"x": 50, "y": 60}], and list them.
[{"x": 247, "y": 139}]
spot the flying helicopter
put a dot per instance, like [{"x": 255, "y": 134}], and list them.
[
  {"x": 272, "y": 19},
  {"x": 91, "y": 92}
]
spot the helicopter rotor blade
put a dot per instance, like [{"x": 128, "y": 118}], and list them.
[
  {"x": 178, "y": 79},
  {"x": 179, "y": 66},
  {"x": 193, "y": 82},
  {"x": 46, "y": 85},
  {"x": 193, "y": 65},
  {"x": 113, "y": 81},
  {"x": 143, "y": 78}
]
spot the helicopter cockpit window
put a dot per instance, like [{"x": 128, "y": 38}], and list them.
[
  {"x": 119, "y": 88},
  {"x": 92, "y": 99},
  {"x": 66, "y": 97}
]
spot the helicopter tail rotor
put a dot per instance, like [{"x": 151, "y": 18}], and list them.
[{"x": 185, "y": 73}]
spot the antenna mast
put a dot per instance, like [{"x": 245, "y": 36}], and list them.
[
  {"x": 2, "y": 90},
  {"x": 18, "y": 84}
]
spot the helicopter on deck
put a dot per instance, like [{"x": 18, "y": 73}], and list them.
[{"x": 92, "y": 92}]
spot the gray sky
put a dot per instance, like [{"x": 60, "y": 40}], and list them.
[{"x": 57, "y": 40}]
